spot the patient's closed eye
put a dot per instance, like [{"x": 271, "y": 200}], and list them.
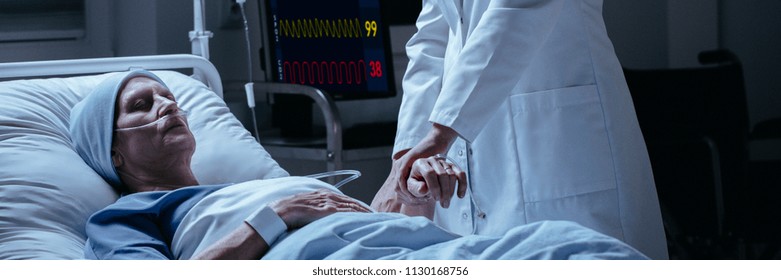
[{"x": 140, "y": 104}]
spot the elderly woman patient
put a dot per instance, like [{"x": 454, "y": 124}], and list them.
[{"x": 131, "y": 132}]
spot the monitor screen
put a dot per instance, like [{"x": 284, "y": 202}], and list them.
[{"x": 339, "y": 46}]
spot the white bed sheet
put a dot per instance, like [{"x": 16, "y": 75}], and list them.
[
  {"x": 47, "y": 192},
  {"x": 221, "y": 212}
]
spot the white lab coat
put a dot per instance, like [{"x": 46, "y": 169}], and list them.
[{"x": 548, "y": 128}]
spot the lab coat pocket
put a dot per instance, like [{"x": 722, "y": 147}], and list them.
[{"x": 562, "y": 143}]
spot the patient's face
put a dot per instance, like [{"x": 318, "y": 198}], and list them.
[{"x": 143, "y": 101}]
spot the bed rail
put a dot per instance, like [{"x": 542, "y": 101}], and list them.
[
  {"x": 333, "y": 121},
  {"x": 207, "y": 73}
]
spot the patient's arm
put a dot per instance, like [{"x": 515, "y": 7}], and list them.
[
  {"x": 242, "y": 244},
  {"x": 296, "y": 211},
  {"x": 386, "y": 200}
]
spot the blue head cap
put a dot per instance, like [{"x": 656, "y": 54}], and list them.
[{"x": 92, "y": 124}]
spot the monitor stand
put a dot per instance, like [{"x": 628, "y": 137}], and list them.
[{"x": 292, "y": 115}]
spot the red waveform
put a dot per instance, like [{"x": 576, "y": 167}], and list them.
[{"x": 322, "y": 72}]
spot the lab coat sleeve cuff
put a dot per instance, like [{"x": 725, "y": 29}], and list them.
[
  {"x": 267, "y": 224},
  {"x": 466, "y": 130}
]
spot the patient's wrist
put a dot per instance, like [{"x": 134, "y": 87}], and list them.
[{"x": 267, "y": 223}]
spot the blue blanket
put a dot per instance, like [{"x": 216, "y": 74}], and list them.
[{"x": 394, "y": 236}]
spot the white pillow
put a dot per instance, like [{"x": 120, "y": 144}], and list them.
[{"x": 47, "y": 192}]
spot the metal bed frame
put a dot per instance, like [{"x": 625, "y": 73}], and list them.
[{"x": 208, "y": 73}]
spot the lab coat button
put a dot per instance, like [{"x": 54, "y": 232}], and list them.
[
  {"x": 460, "y": 153},
  {"x": 464, "y": 216}
]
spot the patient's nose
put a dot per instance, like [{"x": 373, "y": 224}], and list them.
[{"x": 167, "y": 107}]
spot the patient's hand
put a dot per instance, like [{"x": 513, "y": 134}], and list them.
[
  {"x": 437, "y": 141},
  {"x": 301, "y": 209},
  {"x": 437, "y": 179}
]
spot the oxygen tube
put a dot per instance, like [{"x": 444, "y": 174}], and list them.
[{"x": 179, "y": 113}]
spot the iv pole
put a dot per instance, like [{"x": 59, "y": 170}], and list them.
[{"x": 199, "y": 37}]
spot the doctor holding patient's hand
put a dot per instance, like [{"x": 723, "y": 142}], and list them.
[
  {"x": 422, "y": 177},
  {"x": 434, "y": 178}
]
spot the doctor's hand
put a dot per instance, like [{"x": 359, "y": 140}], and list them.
[
  {"x": 437, "y": 141},
  {"x": 301, "y": 209}
]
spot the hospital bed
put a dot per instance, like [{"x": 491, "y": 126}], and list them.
[{"x": 47, "y": 192}]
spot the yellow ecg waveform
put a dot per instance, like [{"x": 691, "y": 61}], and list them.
[{"x": 320, "y": 28}]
